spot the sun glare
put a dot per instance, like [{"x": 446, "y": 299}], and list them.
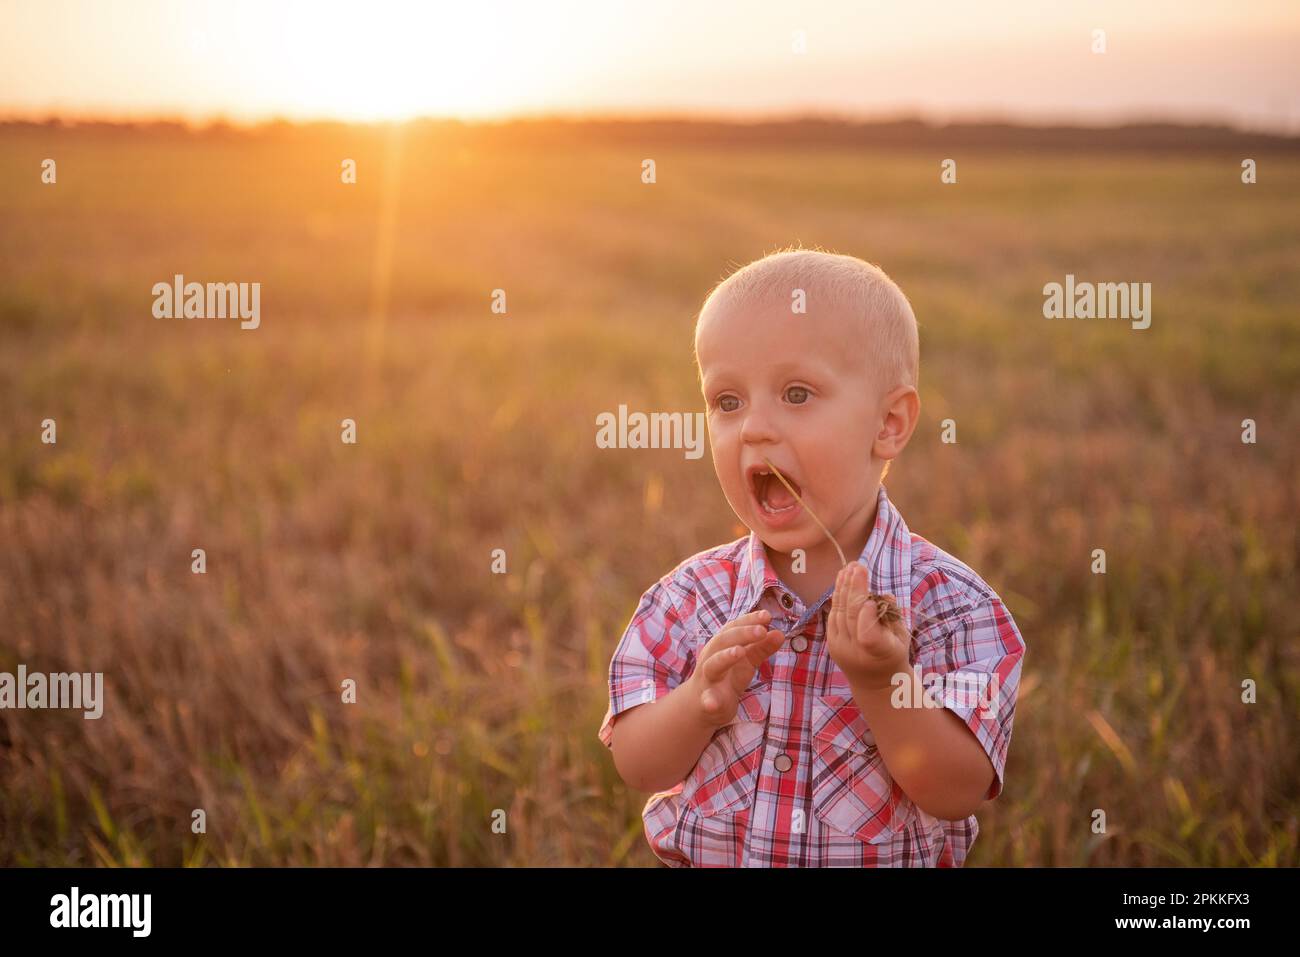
[{"x": 389, "y": 61}]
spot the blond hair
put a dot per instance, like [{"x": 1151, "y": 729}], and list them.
[{"x": 890, "y": 342}]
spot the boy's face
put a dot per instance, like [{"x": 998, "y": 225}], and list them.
[{"x": 797, "y": 389}]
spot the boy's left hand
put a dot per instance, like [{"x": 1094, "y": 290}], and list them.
[{"x": 868, "y": 651}]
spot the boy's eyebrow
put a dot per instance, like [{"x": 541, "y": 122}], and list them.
[{"x": 782, "y": 368}]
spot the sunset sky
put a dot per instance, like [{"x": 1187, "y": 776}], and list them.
[{"x": 1192, "y": 60}]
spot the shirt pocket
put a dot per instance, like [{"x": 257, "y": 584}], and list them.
[
  {"x": 852, "y": 791},
  {"x": 726, "y": 776}
]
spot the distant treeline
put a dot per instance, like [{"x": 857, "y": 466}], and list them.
[{"x": 890, "y": 134}]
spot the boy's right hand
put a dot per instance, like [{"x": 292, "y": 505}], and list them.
[{"x": 727, "y": 664}]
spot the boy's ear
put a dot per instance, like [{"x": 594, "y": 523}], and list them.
[{"x": 902, "y": 409}]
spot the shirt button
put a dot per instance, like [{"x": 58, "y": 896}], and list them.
[
  {"x": 783, "y": 763},
  {"x": 786, "y": 601},
  {"x": 799, "y": 643}
]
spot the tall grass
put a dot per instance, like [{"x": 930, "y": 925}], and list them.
[{"x": 480, "y": 693}]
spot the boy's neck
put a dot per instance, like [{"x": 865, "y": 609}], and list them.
[{"x": 822, "y": 562}]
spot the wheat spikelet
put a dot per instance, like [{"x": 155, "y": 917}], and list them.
[{"x": 887, "y": 609}]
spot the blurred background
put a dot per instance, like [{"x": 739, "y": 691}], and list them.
[{"x": 502, "y": 147}]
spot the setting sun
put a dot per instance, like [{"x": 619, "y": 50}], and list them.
[{"x": 395, "y": 62}]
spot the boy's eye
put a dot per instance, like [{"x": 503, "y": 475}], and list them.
[
  {"x": 797, "y": 394},
  {"x": 722, "y": 403}
]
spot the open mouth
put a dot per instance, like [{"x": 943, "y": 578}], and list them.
[{"x": 771, "y": 494}]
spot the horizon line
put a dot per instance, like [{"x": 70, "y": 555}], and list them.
[{"x": 991, "y": 118}]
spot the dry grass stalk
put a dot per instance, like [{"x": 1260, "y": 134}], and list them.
[{"x": 887, "y": 610}]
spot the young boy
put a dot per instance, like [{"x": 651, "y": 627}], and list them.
[{"x": 781, "y": 715}]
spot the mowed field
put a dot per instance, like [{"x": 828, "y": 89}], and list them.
[{"x": 479, "y": 693}]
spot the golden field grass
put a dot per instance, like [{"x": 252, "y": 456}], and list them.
[{"x": 479, "y": 692}]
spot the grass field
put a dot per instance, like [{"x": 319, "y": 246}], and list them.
[{"x": 478, "y": 691}]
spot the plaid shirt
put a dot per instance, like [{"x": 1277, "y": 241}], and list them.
[{"x": 795, "y": 779}]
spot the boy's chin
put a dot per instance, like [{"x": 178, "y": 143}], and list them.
[{"x": 784, "y": 542}]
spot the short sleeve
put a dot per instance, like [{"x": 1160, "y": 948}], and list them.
[
  {"x": 978, "y": 654},
  {"x": 652, "y": 657}
]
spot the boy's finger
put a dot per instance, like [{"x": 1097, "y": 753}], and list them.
[
  {"x": 717, "y": 665},
  {"x": 876, "y": 639},
  {"x": 711, "y": 702},
  {"x": 736, "y": 635},
  {"x": 863, "y": 577},
  {"x": 840, "y": 599},
  {"x": 760, "y": 617},
  {"x": 871, "y": 636},
  {"x": 857, "y": 592},
  {"x": 758, "y": 653}
]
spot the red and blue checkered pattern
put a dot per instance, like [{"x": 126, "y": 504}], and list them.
[{"x": 835, "y": 803}]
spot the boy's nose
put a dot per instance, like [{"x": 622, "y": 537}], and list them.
[{"x": 757, "y": 426}]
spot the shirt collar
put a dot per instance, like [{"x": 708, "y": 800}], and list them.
[{"x": 887, "y": 555}]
